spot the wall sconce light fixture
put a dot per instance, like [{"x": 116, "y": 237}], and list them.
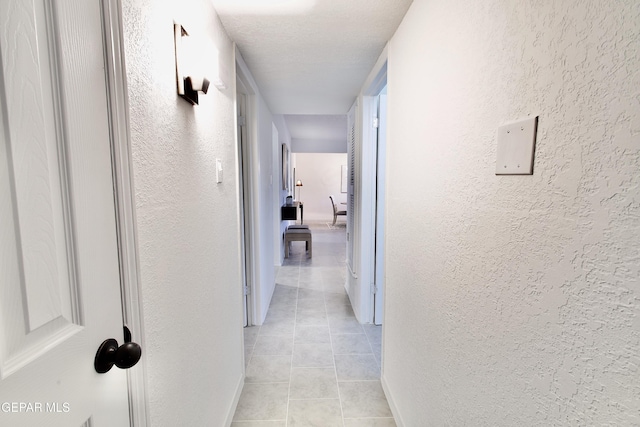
[{"x": 190, "y": 74}]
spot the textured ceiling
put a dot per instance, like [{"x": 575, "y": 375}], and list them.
[
  {"x": 310, "y": 56},
  {"x": 317, "y": 127}
]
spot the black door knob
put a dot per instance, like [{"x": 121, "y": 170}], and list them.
[{"x": 109, "y": 354}]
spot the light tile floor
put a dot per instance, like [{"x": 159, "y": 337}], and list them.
[{"x": 312, "y": 363}]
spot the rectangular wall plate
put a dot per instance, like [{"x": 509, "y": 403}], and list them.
[{"x": 516, "y": 147}]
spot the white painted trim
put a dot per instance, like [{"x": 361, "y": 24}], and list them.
[
  {"x": 244, "y": 208},
  {"x": 243, "y": 70},
  {"x": 245, "y": 81},
  {"x": 277, "y": 223},
  {"x": 125, "y": 205},
  {"x": 367, "y": 218},
  {"x": 377, "y": 78},
  {"x": 381, "y": 211},
  {"x": 234, "y": 404},
  {"x": 373, "y": 85},
  {"x": 392, "y": 405}
]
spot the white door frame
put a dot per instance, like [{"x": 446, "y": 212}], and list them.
[
  {"x": 380, "y": 207},
  {"x": 275, "y": 186},
  {"x": 125, "y": 204},
  {"x": 246, "y": 86},
  {"x": 375, "y": 83},
  {"x": 244, "y": 198}
]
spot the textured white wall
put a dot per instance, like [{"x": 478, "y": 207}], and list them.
[
  {"x": 320, "y": 175},
  {"x": 187, "y": 224},
  {"x": 514, "y": 300}
]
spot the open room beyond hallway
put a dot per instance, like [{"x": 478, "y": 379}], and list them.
[{"x": 312, "y": 363}]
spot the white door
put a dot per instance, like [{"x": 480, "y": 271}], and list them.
[
  {"x": 59, "y": 272},
  {"x": 380, "y": 204}
]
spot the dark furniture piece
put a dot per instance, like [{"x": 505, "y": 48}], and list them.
[{"x": 290, "y": 212}]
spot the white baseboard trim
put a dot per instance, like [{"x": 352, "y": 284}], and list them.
[
  {"x": 236, "y": 399},
  {"x": 392, "y": 405},
  {"x": 353, "y": 273}
]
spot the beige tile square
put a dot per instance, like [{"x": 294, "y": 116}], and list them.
[
  {"x": 351, "y": 344},
  {"x": 262, "y": 402},
  {"x": 248, "y": 352},
  {"x": 363, "y": 399},
  {"x": 312, "y": 334},
  {"x": 374, "y": 333},
  {"x": 311, "y": 304},
  {"x": 315, "y": 413},
  {"x": 304, "y": 294},
  {"x": 250, "y": 335},
  {"x": 312, "y": 356},
  {"x": 281, "y": 312},
  {"x": 336, "y": 295},
  {"x": 369, "y": 422},
  {"x": 287, "y": 277},
  {"x": 268, "y": 369},
  {"x": 313, "y": 284},
  {"x": 278, "y": 327},
  {"x": 346, "y": 325},
  {"x": 274, "y": 345},
  {"x": 340, "y": 310},
  {"x": 311, "y": 318},
  {"x": 313, "y": 383},
  {"x": 357, "y": 367},
  {"x": 259, "y": 424},
  {"x": 337, "y": 290}
]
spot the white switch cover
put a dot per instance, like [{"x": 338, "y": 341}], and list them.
[
  {"x": 218, "y": 171},
  {"x": 516, "y": 147}
]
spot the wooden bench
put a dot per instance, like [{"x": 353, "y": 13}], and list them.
[{"x": 297, "y": 235}]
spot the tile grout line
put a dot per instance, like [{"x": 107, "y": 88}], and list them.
[
  {"x": 333, "y": 355},
  {"x": 293, "y": 345},
  {"x": 333, "y": 358},
  {"x": 379, "y": 362}
]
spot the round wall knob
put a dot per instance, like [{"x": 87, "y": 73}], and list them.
[{"x": 109, "y": 354}]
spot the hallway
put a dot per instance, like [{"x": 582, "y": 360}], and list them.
[{"x": 312, "y": 363}]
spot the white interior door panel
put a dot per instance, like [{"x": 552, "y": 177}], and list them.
[{"x": 59, "y": 271}]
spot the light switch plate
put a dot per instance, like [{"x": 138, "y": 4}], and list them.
[
  {"x": 516, "y": 147},
  {"x": 218, "y": 171}
]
